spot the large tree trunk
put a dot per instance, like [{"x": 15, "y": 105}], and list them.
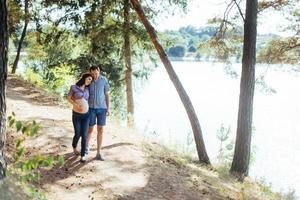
[
  {"x": 3, "y": 77},
  {"x": 128, "y": 72},
  {"x": 240, "y": 164},
  {"x": 203, "y": 157},
  {"x": 15, "y": 65}
]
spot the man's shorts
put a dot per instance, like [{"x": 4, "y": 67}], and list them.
[{"x": 99, "y": 114}]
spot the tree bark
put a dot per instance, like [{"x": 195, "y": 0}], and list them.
[
  {"x": 15, "y": 65},
  {"x": 128, "y": 67},
  {"x": 240, "y": 164},
  {"x": 202, "y": 155},
  {"x": 3, "y": 77}
]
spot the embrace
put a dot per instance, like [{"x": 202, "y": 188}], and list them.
[{"x": 90, "y": 100}]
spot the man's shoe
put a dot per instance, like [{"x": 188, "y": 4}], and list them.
[{"x": 99, "y": 157}]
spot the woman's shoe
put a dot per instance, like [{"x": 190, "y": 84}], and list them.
[
  {"x": 82, "y": 159},
  {"x": 87, "y": 150}
]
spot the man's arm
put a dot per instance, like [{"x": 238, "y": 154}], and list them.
[{"x": 107, "y": 102}]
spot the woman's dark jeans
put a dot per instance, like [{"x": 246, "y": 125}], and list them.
[{"x": 81, "y": 125}]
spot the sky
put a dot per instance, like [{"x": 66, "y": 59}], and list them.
[{"x": 199, "y": 11}]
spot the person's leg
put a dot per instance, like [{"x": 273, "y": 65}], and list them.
[
  {"x": 84, "y": 135},
  {"x": 99, "y": 138},
  {"x": 92, "y": 122},
  {"x": 101, "y": 121},
  {"x": 90, "y": 131},
  {"x": 77, "y": 127}
]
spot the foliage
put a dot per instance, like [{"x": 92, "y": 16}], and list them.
[
  {"x": 29, "y": 129},
  {"x": 227, "y": 46},
  {"x": 177, "y": 51},
  {"x": 226, "y": 147},
  {"x": 223, "y": 49},
  {"x": 48, "y": 65},
  {"x": 275, "y": 4},
  {"x": 27, "y": 169},
  {"x": 289, "y": 195},
  {"x": 192, "y": 49},
  {"x": 87, "y": 33},
  {"x": 15, "y": 15},
  {"x": 270, "y": 49},
  {"x": 69, "y": 36},
  {"x": 189, "y": 148},
  {"x": 225, "y": 155},
  {"x": 283, "y": 50},
  {"x": 189, "y": 38},
  {"x": 57, "y": 80},
  {"x": 34, "y": 77},
  {"x": 265, "y": 187},
  {"x": 263, "y": 86}
]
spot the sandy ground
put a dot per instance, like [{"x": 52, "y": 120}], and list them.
[{"x": 127, "y": 173}]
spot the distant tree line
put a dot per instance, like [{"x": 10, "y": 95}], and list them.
[{"x": 194, "y": 42}]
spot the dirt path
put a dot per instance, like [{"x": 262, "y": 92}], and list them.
[
  {"x": 123, "y": 170},
  {"x": 127, "y": 173}
]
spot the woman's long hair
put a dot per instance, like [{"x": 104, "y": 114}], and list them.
[{"x": 81, "y": 82}]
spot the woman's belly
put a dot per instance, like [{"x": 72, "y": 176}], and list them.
[{"x": 83, "y": 106}]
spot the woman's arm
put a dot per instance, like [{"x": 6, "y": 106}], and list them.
[
  {"x": 76, "y": 105},
  {"x": 71, "y": 101}
]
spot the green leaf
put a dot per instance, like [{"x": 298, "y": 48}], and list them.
[
  {"x": 229, "y": 146},
  {"x": 25, "y": 130},
  {"x": 19, "y": 126},
  {"x": 21, "y": 152},
  {"x": 61, "y": 160},
  {"x": 18, "y": 143},
  {"x": 15, "y": 157},
  {"x": 34, "y": 130},
  {"x": 24, "y": 166},
  {"x": 34, "y": 164},
  {"x": 48, "y": 162},
  {"x": 11, "y": 122}
]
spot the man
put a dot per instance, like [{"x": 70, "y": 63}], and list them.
[{"x": 98, "y": 107}]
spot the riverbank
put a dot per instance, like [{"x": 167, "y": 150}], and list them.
[{"x": 134, "y": 168}]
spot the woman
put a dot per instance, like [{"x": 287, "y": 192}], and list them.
[{"x": 78, "y": 97}]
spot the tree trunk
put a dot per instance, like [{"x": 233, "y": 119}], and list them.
[
  {"x": 203, "y": 157},
  {"x": 240, "y": 164},
  {"x": 15, "y": 65},
  {"x": 3, "y": 77},
  {"x": 128, "y": 72}
]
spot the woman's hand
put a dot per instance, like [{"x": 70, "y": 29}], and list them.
[{"x": 78, "y": 107}]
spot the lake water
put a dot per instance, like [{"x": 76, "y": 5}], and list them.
[{"x": 214, "y": 94}]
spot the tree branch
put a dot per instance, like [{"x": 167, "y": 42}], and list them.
[{"x": 239, "y": 8}]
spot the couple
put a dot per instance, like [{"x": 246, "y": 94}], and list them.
[{"x": 90, "y": 100}]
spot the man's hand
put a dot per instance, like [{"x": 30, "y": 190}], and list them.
[{"x": 107, "y": 112}]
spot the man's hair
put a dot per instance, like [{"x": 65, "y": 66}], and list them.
[{"x": 94, "y": 67}]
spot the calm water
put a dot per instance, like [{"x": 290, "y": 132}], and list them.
[{"x": 214, "y": 95}]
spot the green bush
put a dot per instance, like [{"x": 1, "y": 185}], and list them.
[{"x": 27, "y": 169}]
